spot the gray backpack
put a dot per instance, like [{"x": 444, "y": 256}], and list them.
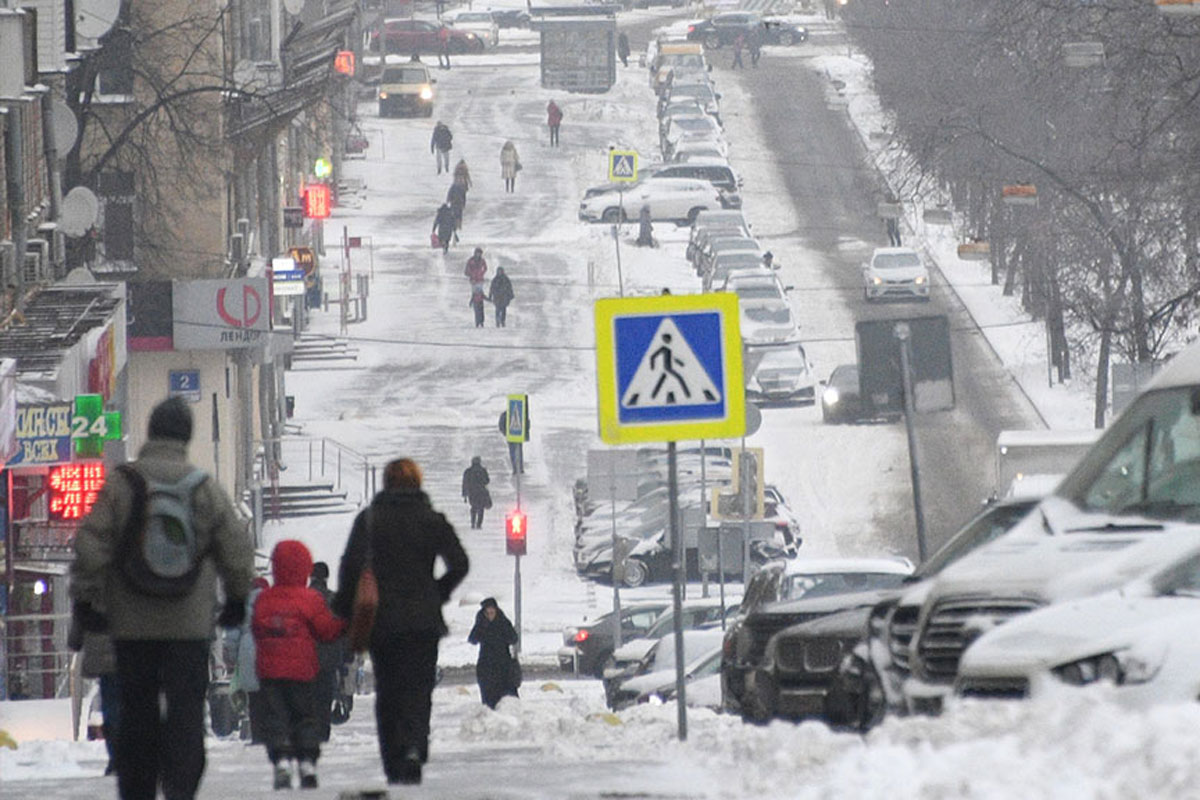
[{"x": 159, "y": 554}]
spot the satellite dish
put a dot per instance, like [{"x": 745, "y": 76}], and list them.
[
  {"x": 94, "y": 18},
  {"x": 294, "y": 7},
  {"x": 66, "y": 128},
  {"x": 80, "y": 210}
]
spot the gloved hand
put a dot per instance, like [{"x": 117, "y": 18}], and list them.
[
  {"x": 232, "y": 614},
  {"x": 89, "y": 618}
]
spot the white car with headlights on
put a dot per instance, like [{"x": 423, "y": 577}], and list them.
[
  {"x": 895, "y": 273},
  {"x": 676, "y": 200},
  {"x": 1140, "y": 640}
]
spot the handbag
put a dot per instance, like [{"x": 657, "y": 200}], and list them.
[
  {"x": 434, "y": 241},
  {"x": 366, "y": 600},
  {"x": 514, "y": 672},
  {"x": 517, "y": 167}
]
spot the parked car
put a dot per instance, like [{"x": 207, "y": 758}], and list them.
[
  {"x": 895, "y": 272},
  {"x": 656, "y": 676},
  {"x": 712, "y": 220},
  {"x": 408, "y": 36},
  {"x": 692, "y": 127},
  {"x": 716, "y": 172},
  {"x": 724, "y": 242},
  {"x": 648, "y": 3},
  {"x": 784, "y": 375},
  {"x": 729, "y": 262},
  {"x": 801, "y": 590},
  {"x": 723, "y": 29},
  {"x": 842, "y": 400},
  {"x": 820, "y": 668},
  {"x": 1139, "y": 640},
  {"x": 480, "y": 23},
  {"x": 700, "y": 93},
  {"x": 406, "y": 89},
  {"x": 587, "y": 646},
  {"x": 676, "y": 200},
  {"x": 511, "y": 18}
]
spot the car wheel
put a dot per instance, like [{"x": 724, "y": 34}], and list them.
[
  {"x": 866, "y": 295},
  {"x": 856, "y": 698},
  {"x": 611, "y": 215},
  {"x": 691, "y": 216},
  {"x": 754, "y": 706},
  {"x": 787, "y": 39},
  {"x": 712, "y": 41},
  {"x": 636, "y": 572}
]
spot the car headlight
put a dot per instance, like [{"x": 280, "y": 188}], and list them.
[
  {"x": 383, "y": 95},
  {"x": 1120, "y": 668},
  {"x": 878, "y": 281},
  {"x": 920, "y": 280},
  {"x": 471, "y": 36},
  {"x": 831, "y": 396},
  {"x": 426, "y": 92}
]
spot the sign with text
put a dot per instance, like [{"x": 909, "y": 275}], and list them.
[
  {"x": 184, "y": 383},
  {"x": 220, "y": 314},
  {"x": 43, "y": 434},
  {"x": 293, "y": 216},
  {"x": 73, "y": 490}
]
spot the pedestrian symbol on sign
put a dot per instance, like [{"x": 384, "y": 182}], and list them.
[
  {"x": 669, "y": 374},
  {"x": 622, "y": 165}
]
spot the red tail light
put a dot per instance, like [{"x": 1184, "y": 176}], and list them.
[
  {"x": 691, "y": 28},
  {"x": 581, "y": 636}
]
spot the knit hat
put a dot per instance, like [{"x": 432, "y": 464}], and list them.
[
  {"x": 171, "y": 419},
  {"x": 320, "y": 570},
  {"x": 489, "y": 602}
]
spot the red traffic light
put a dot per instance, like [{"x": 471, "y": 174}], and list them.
[{"x": 515, "y": 528}]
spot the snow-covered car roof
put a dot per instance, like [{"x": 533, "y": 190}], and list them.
[
  {"x": 1182, "y": 370},
  {"x": 821, "y": 566}
]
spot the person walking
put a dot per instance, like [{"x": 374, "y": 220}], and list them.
[
  {"x": 462, "y": 174},
  {"x": 331, "y": 656},
  {"x": 831, "y": 9},
  {"x": 554, "y": 118},
  {"x": 440, "y": 145},
  {"x": 476, "y": 269},
  {"x": 444, "y": 224},
  {"x": 475, "y": 492},
  {"x": 443, "y": 46},
  {"x": 478, "y": 298},
  {"x": 739, "y": 44},
  {"x": 510, "y": 165},
  {"x": 645, "y": 236},
  {"x": 501, "y": 294},
  {"x": 456, "y": 196},
  {"x": 401, "y": 538},
  {"x": 623, "y": 49},
  {"x": 768, "y": 260},
  {"x": 754, "y": 44},
  {"x": 494, "y": 669},
  {"x": 161, "y": 627},
  {"x": 516, "y": 450},
  {"x": 99, "y": 661},
  {"x": 289, "y": 620},
  {"x": 241, "y": 653}
]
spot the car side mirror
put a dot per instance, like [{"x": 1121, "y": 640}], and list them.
[
  {"x": 788, "y": 288},
  {"x": 823, "y": 382},
  {"x": 433, "y": 80}
]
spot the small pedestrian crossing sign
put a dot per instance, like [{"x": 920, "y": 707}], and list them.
[
  {"x": 669, "y": 368},
  {"x": 622, "y": 165}
]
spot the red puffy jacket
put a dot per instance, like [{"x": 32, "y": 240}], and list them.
[{"x": 289, "y": 618}]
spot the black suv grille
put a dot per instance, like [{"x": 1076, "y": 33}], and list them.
[
  {"x": 947, "y": 632},
  {"x": 901, "y": 627},
  {"x": 761, "y": 627}
]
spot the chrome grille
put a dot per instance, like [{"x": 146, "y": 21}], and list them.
[{"x": 947, "y": 631}]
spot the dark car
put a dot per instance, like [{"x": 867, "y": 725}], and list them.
[
  {"x": 815, "y": 669},
  {"x": 586, "y": 647},
  {"x": 842, "y": 400},
  {"x": 802, "y": 590},
  {"x": 511, "y": 18},
  {"x": 416, "y": 36},
  {"x": 724, "y": 29}
]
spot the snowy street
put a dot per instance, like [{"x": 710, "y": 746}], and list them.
[{"x": 429, "y": 385}]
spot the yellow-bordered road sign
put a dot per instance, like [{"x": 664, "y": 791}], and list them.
[
  {"x": 669, "y": 368},
  {"x": 516, "y": 419},
  {"x": 622, "y": 165}
]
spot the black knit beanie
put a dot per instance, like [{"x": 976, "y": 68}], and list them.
[{"x": 171, "y": 419}]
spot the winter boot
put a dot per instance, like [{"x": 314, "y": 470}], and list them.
[
  {"x": 283, "y": 775},
  {"x": 410, "y": 767},
  {"x": 308, "y": 774}
]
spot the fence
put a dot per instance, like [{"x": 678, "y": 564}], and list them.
[{"x": 311, "y": 459}]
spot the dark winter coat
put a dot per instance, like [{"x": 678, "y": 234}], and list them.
[
  {"x": 457, "y": 196},
  {"x": 442, "y": 139},
  {"x": 476, "y": 269},
  {"x": 443, "y": 223},
  {"x": 407, "y": 536},
  {"x": 493, "y": 669},
  {"x": 331, "y": 655},
  {"x": 501, "y": 290},
  {"x": 289, "y": 618},
  {"x": 474, "y": 486},
  {"x": 97, "y": 580},
  {"x": 622, "y": 47}
]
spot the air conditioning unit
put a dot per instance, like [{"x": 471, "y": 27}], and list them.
[{"x": 37, "y": 261}]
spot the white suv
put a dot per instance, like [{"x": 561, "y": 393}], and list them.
[
  {"x": 676, "y": 200},
  {"x": 895, "y": 272}
]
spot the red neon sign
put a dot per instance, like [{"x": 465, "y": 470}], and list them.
[
  {"x": 316, "y": 201},
  {"x": 73, "y": 490},
  {"x": 344, "y": 62}
]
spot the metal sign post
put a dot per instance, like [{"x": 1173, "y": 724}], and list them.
[
  {"x": 669, "y": 368},
  {"x": 622, "y": 169},
  {"x": 903, "y": 334}
]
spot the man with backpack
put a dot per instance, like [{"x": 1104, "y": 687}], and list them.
[{"x": 147, "y": 561}]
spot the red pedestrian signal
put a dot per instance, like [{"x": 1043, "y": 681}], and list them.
[{"x": 515, "y": 528}]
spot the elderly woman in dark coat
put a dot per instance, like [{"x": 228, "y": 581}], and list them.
[{"x": 494, "y": 670}]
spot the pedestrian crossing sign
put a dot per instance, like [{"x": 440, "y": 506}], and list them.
[
  {"x": 669, "y": 368},
  {"x": 622, "y": 165}
]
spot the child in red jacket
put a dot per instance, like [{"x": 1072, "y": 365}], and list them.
[{"x": 289, "y": 618}]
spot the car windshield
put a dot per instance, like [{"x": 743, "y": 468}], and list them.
[
  {"x": 1148, "y": 463},
  {"x": 784, "y": 358},
  {"x": 694, "y": 60},
  {"x": 831, "y": 583},
  {"x": 481, "y": 17},
  {"x": 404, "y": 75},
  {"x": 757, "y": 291},
  {"x": 896, "y": 260},
  {"x": 845, "y": 377},
  {"x": 989, "y": 525},
  {"x": 701, "y": 93},
  {"x": 775, "y": 314},
  {"x": 696, "y": 124}
]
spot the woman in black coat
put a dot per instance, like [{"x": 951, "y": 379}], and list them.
[
  {"x": 494, "y": 670},
  {"x": 475, "y": 492}
]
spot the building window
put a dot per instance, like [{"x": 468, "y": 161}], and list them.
[
  {"x": 116, "y": 190},
  {"x": 256, "y": 31}
]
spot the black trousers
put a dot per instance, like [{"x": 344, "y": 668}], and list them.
[
  {"x": 477, "y": 516},
  {"x": 291, "y": 728},
  {"x": 405, "y": 674},
  {"x": 153, "y": 747},
  {"x": 327, "y": 679}
]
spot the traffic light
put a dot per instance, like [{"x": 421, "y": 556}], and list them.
[{"x": 515, "y": 528}]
